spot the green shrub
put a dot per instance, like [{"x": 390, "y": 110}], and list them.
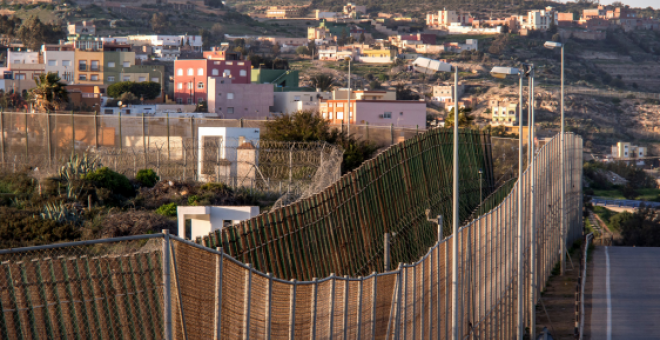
[
  {"x": 193, "y": 200},
  {"x": 147, "y": 177},
  {"x": 220, "y": 188},
  {"x": 115, "y": 182},
  {"x": 167, "y": 210}
]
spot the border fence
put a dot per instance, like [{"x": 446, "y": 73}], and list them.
[{"x": 160, "y": 286}]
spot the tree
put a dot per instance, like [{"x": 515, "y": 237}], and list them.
[
  {"x": 405, "y": 93},
  {"x": 361, "y": 38},
  {"x": 556, "y": 37},
  {"x": 464, "y": 117},
  {"x": 322, "y": 81},
  {"x": 159, "y": 22},
  {"x": 214, "y": 3},
  {"x": 311, "y": 46},
  {"x": 33, "y": 33},
  {"x": 304, "y": 126},
  {"x": 343, "y": 38},
  {"x": 129, "y": 98},
  {"x": 302, "y": 50},
  {"x": 50, "y": 93},
  {"x": 276, "y": 50},
  {"x": 148, "y": 90},
  {"x": 374, "y": 84}
]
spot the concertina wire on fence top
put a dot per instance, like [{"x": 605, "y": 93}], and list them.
[
  {"x": 163, "y": 287},
  {"x": 340, "y": 229}
]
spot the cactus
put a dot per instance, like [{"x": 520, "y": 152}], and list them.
[
  {"x": 78, "y": 166},
  {"x": 60, "y": 213}
]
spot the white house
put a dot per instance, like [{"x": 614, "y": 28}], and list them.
[
  {"x": 207, "y": 219},
  {"x": 291, "y": 102},
  {"x": 59, "y": 59}
]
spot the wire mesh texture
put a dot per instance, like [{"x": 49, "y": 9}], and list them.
[
  {"x": 161, "y": 286},
  {"x": 172, "y": 147},
  {"x": 340, "y": 229}
]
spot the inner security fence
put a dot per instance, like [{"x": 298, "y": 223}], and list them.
[{"x": 160, "y": 286}]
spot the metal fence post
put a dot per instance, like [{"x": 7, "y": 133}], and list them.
[
  {"x": 359, "y": 308},
  {"x": 120, "y": 141},
  {"x": 292, "y": 310},
  {"x": 367, "y": 131},
  {"x": 374, "y": 287},
  {"x": 96, "y": 129},
  {"x": 333, "y": 281},
  {"x": 144, "y": 141},
  {"x": 386, "y": 252},
  {"x": 345, "y": 321},
  {"x": 2, "y": 135},
  {"x": 48, "y": 137},
  {"x": 73, "y": 132},
  {"x": 392, "y": 134},
  {"x": 315, "y": 296},
  {"x": 167, "y": 119},
  {"x": 269, "y": 305},
  {"x": 27, "y": 138},
  {"x": 246, "y": 303},
  {"x": 218, "y": 293},
  {"x": 167, "y": 302}
]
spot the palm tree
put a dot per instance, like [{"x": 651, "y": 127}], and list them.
[
  {"x": 464, "y": 118},
  {"x": 50, "y": 93},
  {"x": 322, "y": 81}
]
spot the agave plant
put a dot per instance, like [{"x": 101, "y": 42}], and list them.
[
  {"x": 60, "y": 213},
  {"x": 78, "y": 166}
]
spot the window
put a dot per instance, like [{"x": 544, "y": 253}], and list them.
[
  {"x": 200, "y": 85},
  {"x": 199, "y": 100},
  {"x": 52, "y": 63},
  {"x": 330, "y": 115},
  {"x": 179, "y": 86},
  {"x": 387, "y": 115},
  {"x": 111, "y": 64},
  {"x": 340, "y": 104},
  {"x": 401, "y": 113},
  {"x": 111, "y": 78},
  {"x": 82, "y": 65},
  {"x": 340, "y": 114},
  {"x": 141, "y": 79},
  {"x": 189, "y": 100},
  {"x": 95, "y": 77},
  {"x": 200, "y": 71},
  {"x": 230, "y": 63},
  {"x": 241, "y": 63},
  {"x": 126, "y": 78},
  {"x": 179, "y": 72},
  {"x": 126, "y": 64},
  {"x": 82, "y": 77},
  {"x": 230, "y": 96},
  {"x": 215, "y": 72},
  {"x": 227, "y": 73},
  {"x": 155, "y": 79},
  {"x": 66, "y": 62},
  {"x": 95, "y": 65},
  {"x": 243, "y": 73},
  {"x": 296, "y": 98},
  {"x": 179, "y": 101},
  {"x": 230, "y": 110},
  {"x": 191, "y": 72}
]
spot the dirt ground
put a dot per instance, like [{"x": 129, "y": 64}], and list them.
[{"x": 559, "y": 301}]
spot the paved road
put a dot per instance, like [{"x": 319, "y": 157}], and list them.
[
  {"x": 624, "y": 203},
  {"x": 622, "y": 295}
]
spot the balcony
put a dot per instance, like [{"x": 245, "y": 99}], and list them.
[
  {"x": 82, "y": 67},
  {"x": 95, "y": 68}
]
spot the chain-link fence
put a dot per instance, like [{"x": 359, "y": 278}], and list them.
[
  {"x": 163, "y": 287},
  {"x": 173, "y": 147}
]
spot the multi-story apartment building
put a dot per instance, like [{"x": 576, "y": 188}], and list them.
[
  {"x": 24, "y": 67},
  {"x": 231, "y": 100},
  {"x": 445, "y": 93},
  {"x": 59, "y": 59},
  {"x": 446, "y": 18},
  {"x": 503, "y": 112},
  {"x": 191, "y": 77},
  {"x": 539, "y": 20},
  {"x": 627, "y": 150},
  {"x": 372, "y": 107}
]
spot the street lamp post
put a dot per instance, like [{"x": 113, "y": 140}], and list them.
[
  {"x": 348, "y": 95},
  {"x": 532, "y": 208},
  {"x": 562, "y": 223},
  {"x": 502, "y": 72},
  {"x": 481, "y": 172}
]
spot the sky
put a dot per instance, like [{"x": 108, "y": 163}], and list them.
[{"x": 633, "y": 3}]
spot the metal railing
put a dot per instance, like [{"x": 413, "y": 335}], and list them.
[{"x": 163, "y": 287}]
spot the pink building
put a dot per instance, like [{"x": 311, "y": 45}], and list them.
[
  {"x": 405, "y": 113},
  {"x": 234, "y": 101}
]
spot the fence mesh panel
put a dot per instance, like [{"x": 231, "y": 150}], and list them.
[{"x": 116, "y": 290}]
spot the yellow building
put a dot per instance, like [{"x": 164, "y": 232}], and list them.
[
  {"x": 627, "y": 150},
  {"x": 384, "y": 56},
  {"x": 88, "y": 67}
]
